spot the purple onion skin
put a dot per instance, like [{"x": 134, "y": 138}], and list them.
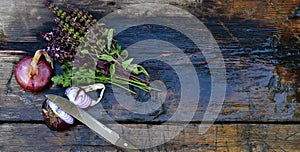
[
  {"x": 33, "y": 83},
  {"x": 52, "y": 120}
]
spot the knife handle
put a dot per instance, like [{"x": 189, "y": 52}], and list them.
[{"x": 125, "y": 144}]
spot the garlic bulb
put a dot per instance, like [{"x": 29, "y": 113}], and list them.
[{"x": 79, "y": 97}]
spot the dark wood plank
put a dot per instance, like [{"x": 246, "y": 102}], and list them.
[
  {"x": 23, "y": 21},
  {"x": 234, "y": 137},
  {"x": 262, "y": 80},
  {"x": 260, "y": 99},
  {"x": 258, "y": 44}
]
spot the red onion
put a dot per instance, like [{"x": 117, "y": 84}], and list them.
[
  {"x": 34, "y": 73},
  {"x": 79, "y": 97},
  {"x": 55, "y": 118}
]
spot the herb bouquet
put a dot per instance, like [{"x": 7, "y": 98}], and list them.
[{"x": 89, "y": 53}]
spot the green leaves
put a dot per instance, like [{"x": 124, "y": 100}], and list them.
[
  {"x": 124, "y": 54},
  {"x": 134, "y": 68},
  {"x": 112, "y": 69},
  {"x": 57, "y": 80},
  {"x": 66, "y": 66},
  {"x": 108, "y": 34},
  {"x": 64, "y": 80},
  {"x": 109, "y": 38},
  {"x": 107, "y": 58},
  {"x": 126, "y": 63},
  {"x": 85, "y": 52},
  {"x": 112, "y": 64},
  {"x": 137, "y": 69}
]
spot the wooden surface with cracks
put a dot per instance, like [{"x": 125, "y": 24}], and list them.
[{"x": 261, "y": 107}]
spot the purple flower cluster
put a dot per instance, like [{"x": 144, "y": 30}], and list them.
[
  {"x": 74, "y": 36},
  {"x": 73, "y": 24}
]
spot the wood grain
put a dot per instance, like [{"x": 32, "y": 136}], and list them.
[
  {"x": 260, "y": 99},
  {"x": 22, "y": 21},
  {"x": 261, "y": 108},
  {"x": 248, "y": 48},
  {"x": 233, "y": 137},
  {"x": 255, "y": 103}
]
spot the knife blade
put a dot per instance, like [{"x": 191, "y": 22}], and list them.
[{"x": 90, "y": 121}]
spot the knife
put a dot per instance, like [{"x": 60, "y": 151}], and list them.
[{"x": 90, "y": 121}]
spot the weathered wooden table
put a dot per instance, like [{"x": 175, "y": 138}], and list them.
[{"x": 261, "y": 111}]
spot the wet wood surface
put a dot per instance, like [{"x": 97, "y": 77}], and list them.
[
  {"x": 231, "y": 137},
  {"x": 260, "y": 49}
]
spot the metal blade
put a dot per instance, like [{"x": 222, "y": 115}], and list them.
[{"x": 88, "y": 120}]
